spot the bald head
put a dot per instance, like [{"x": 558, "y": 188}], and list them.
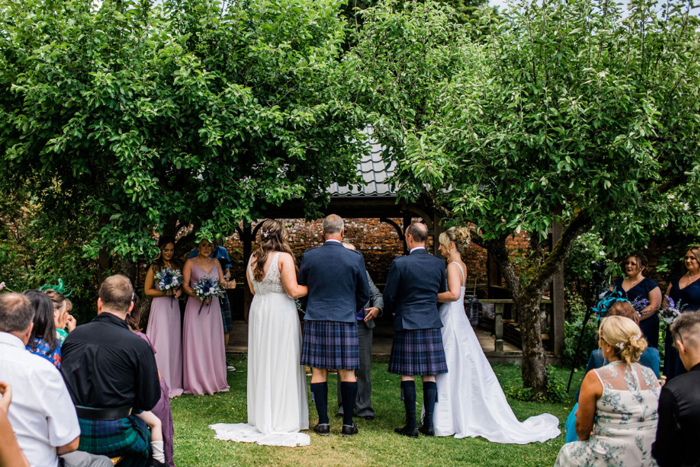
[
  {"x": 333, "y": 226},
  {"x": 419, "y": 232}
]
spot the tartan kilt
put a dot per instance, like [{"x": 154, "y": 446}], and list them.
[
  {"x": 330, "y": 345},
  {"x": 114, "y": 438},
  {"x": 226, "y": 312},
  {"x": 418, "y": 352}
]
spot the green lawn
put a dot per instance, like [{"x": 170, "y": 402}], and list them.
[{"x": 376, "y": 444}]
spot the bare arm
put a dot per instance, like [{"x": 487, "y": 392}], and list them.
[
  {"x": 654, "y": 304},
  {"x": 70, "y": 447},
  {"x": 591, "y": 391},
  {"x": 11, "y": 454},
  {"x": 288, "y": 275},
  {"x": 668, "y": 292},
  {"x": 186, "y": 275},
  {"x": 249, "y": 276},
  {"x": 454, "y": 285},
  {"x": 149, "y": 288}
]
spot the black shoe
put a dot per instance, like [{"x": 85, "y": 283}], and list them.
[
  {"x": 407, "y": 431},
  {"x": 369, "y": 418},
  {"x": 349, "y": 430},
  {"x": 427, "y": 431},
  {"x": 156, "y": 463},
  {"x": 323, "y": 429}
]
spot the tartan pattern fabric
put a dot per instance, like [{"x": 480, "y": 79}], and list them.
[
  {"x": 330, "y": 345},
  {"x": 418, "y": 352},
  {"x": 226, "y": 313},
  {"x": 124, "y": 437}
]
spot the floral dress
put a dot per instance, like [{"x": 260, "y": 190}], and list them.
[{"x": 627, "y": 417}]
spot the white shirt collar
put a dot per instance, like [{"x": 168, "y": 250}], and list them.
[
  {"x": 11, "y": 339},
  {"x": 416, "y": 248},
  {"x": 333, "y": 240}
]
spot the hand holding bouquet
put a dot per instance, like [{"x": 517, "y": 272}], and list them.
[
  {"x": 671, "y": 312},
  {"x": 205, "y": 289},
  {"x": 169, "y": 282}
]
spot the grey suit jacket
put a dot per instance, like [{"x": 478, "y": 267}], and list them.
[{"x": 375, "y": 299}]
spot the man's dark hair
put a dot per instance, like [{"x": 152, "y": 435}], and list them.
[
  {"x": 418, "y": 231},
  {"x": 116, "y": 293},
  {"x": 683, "y": 328},
  {"x": 16, "y": 312}
]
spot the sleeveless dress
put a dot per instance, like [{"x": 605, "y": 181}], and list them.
[
  {"x": 627, "y": 418},
  {"x": 278, "y": 404},
  {"x": 164, "y": 332},
  {"x": 203, "y": 350},
  {"x": 649, "y": 326},
  {"x": 688, "y": 298},
  {"x": 471, "y": 401}
]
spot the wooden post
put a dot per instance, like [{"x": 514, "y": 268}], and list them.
[
  {"x": 558, "y": 298},
  {"x": 498, "y": 327}
]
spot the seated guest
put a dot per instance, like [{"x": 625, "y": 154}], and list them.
[
  {"x": 42, "y": 417},
  {"x": 63, "y": 320},
  {"x": 162, "y": 432},
  {"x": 650, "y": 358},
  {"x": 679, "y": 404},
  {"x": 10, "y": 453},
  {"x": 617, "y": 413},
  {"x": 43, "y": 341},
  {"x": 111, "y": 375}
]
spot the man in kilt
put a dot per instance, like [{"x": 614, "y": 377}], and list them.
[
  {"x": 111, "y": 375},
  {"x": 338, "y": 290},
  {"x": 411, "y": 296}
]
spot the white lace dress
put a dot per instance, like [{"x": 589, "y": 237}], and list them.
[
  {"x": 278, "y": 406},
  {"x": 471, "y": 401},
  {"x": 627, "y": 417}
]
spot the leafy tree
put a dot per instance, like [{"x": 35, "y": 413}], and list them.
[
  {"x": 569, "y": 112},
  {"x": 153, "y": 119}
]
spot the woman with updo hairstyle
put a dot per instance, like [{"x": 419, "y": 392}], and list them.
[
  {"x": 684, "y": 290},
  {"x": 618, "y": 405},
  {"x": 482, "y": 410},
  {"x": 43, "y": 340},
  {"x": 164, "y": 329},
  {"x": 277, "y": 398},
  {"x": 634, "y": 286}
]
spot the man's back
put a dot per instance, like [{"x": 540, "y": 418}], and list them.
[
  {"x": 679, "y": 421},
  {"x": 105, "y": 365},
  {"x": 337, "y": 281},
  {"x": 411, "y": 290},
  {"x": 42, "y": 414}
]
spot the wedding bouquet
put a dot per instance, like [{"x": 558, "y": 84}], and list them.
[
  {"x": 169, "y": 279},
  {"x": 207, "y": 288},
  {"x": 639, "y": 304},
  {"x": 671, "y": 312}
]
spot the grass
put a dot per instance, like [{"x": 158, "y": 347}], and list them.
[{"x": 376, "y": 444}]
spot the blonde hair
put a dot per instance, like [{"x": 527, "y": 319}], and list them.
[
  {"x": 460, "y": 236},
  {"x": 695, "y": 250},
  {"x": 624, "y": 336}
]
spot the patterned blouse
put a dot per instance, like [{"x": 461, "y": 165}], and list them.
[{"x": 42, "y": 349}]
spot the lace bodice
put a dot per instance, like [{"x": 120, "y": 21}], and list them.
[{"x": 272, "y": 282}]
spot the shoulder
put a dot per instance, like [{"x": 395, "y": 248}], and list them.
[{"x": 650, "y": 284}]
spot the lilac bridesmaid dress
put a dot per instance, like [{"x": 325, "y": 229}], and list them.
[
  {"x": 165, "y": 333},
  {"x": 204, "y": 353}
]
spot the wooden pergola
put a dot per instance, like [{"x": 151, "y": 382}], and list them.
[{"x": 375, "y": 199}]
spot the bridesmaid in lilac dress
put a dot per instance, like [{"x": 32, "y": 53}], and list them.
[
  {"x": 164, "y": 330},
  {"x": 204, "y": 353}
]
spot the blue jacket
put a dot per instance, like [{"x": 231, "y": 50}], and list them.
[
  {"x": 337, "y": 281},
  {"x": 411, "y": 291}
]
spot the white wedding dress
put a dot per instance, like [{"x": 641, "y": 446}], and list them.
[
  {"x": 278, "y": 406},
  {"x": 471, "y": 401}
]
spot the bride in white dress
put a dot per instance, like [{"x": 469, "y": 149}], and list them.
[
  {"x": 471, "y": 401},
  {"x": 278, "y": 406}
]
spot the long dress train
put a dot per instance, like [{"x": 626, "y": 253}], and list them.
[
  {"x": 277, "y": 399},
  {"x": 471, "y": 401}
]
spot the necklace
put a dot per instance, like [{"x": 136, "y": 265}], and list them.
[{"x": 690, "y": 278}]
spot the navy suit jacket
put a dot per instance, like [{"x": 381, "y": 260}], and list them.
[
  {"x": 411, "y": 291},
  {"x": 337, "y": 281}
]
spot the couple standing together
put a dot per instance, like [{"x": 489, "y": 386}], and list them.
[{"x": 466, "y": 401}]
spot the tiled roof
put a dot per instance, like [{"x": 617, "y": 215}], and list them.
[{"x": 374, "y": 172}]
